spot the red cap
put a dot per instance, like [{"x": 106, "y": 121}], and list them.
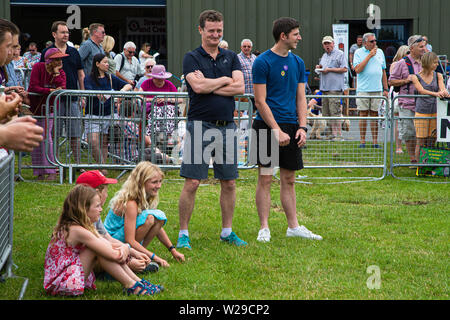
[{"x": 94, "y": 178}]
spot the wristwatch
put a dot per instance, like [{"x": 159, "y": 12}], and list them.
[{"x": 304, "y": 129}]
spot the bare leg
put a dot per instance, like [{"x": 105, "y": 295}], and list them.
[
  {"x": 374, "y": 127},
  {"x": 288, "y": 197},
  {"x": 363, "y": 126},
  {"x": 187, "y": 201},
  {"x": 263, "y": 198},
  {"x": 227, "y": 201}
]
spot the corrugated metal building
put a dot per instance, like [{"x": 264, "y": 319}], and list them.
[{"x": 253, "y": 19}]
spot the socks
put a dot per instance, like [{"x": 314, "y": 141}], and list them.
[
  {"x": 225, "y": 232},
  {"x": 183, "y": 232}
]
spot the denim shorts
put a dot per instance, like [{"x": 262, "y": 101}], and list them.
[{"x": 207, "y": 142}]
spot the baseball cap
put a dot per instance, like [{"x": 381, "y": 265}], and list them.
[
  {"x": 94, "y": 178},
  {"x": 327, "y": 39}
]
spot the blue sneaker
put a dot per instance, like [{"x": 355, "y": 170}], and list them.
[
  {"x": 184, "y": 242},
  {"x": 234, "y": 239}
]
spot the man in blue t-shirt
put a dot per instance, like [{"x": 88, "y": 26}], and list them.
[
  {"x": 73, "y": 68},
  {"x": 213, "y": 77},
  {"x": 279, "y": 130}
]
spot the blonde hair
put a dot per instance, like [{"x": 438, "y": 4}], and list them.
[
  {"x": 401, "y": 52},
  {"x": 108, "y": 43},
  {"x": 74, "y": 212},
  {"x": 134, "y": 189},
  {"x": 428, "y": 59}
]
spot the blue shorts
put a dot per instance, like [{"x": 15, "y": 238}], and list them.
[
  {"x": 115, "y": 224},
  {"x": 205, "y": 140}
]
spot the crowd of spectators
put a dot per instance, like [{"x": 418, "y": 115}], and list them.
[{"x": 95, "y": 66}]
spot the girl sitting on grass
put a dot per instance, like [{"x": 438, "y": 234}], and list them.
[
  {"x": 133, "y": 217},
  {"x": 76, "y": 246}
]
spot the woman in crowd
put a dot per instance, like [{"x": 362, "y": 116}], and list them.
[
  {"x": 100, "y": 109},
  {"x": 401, "y": 53},
  {"x": 164, "y": 107},
  {"x": 427, "y": 82},
  {"x": 45, "y": 78}
]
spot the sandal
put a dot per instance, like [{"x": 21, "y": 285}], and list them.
[
  {"x": 139, "y": 285},
  {"x": 152, "y": 287}
]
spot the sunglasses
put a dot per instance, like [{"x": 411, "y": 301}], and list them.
[
  {"x": 373, "y": 41},
  {"x": 148, "y": 67},
  {"x": 419, "y": 40},
  {"x": 133, "y": 52}
]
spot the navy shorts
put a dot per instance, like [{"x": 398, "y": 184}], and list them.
[
  {"x": 204, "y": 141},
  {"x": 264, "y": 146}
]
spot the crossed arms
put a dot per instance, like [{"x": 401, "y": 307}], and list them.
[{"x": 223, "y": 86}]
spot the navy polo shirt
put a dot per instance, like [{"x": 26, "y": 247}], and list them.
[
  {"x": 71, "y": 65},
  {"x": 210, "y": 107}
]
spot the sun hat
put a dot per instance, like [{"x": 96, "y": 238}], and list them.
[
  {"x": 53, "y": 53},
  {"x": 327, "y": 39},
  {"x": 94, "y": 178},
  {"x": 159, "y": 72}
]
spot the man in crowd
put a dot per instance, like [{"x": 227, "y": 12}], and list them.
[
  {"x": 333, "y": 66},
  {"x": 32, "y": 55},
  {"x": 370, "y": 66},
  {"x": 401, "y": 76},
  {"x": 246, "y": 58},
  {"x": 213, "y": 78},
  {"x": 353, "y": 48},
  {"x": 127, "y": 65},
  {"x": 92, "y": 46},
  {"x": 73, "y": 69}
]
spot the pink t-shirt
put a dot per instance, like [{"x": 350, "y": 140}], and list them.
[
  {"x": 148, "y": 85},
  {"x": 400, "y": 72}
]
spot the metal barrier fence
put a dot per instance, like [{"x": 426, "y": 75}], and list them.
[
  {"x": 6, "y": 219},
  {"x": 418, "y": 133},
  {"x": 151, "y": 125},
  {"x": 346, "y": 150}
]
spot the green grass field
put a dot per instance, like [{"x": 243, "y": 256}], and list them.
[{"x": 400, "y": 227}]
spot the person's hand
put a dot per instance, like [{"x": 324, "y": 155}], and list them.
[
  {"x": 137, "y": 265},
  {"x": 386, "y": 94},
  {"x": 9, "y": 105},
  {"x": 161, "y": 262},
  {"x": 21, "y": 134},
  {"x": 301, "y": 135},
  {"x": 123, "y": 253},
  {"x": 57, "y": 68},
  {"x": 141, "y": 256},
  {"x": 199, "y": 74},
  {"x": 443, "y": 94},
  {"x": 283, "y": 138},
  {"x": 177, "y": 255},
  {"x": 373, "y": 52},
  {"x": 326, "y": 70}
]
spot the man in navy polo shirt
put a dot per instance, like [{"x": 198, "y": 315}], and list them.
[
  {"x": 73, "y": 69},
  {"x": 213, "y": 77}
]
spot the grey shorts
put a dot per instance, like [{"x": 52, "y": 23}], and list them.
[
  {"x": 97, "y": 124},
  {"x": 331, "y": 107},
  {"x": 205, "y": 141},
  {"x": 406, "y": 128},
  {"x": 69, "y": 118}
]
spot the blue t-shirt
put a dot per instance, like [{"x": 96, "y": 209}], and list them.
[
  {"x": 210, "y": 107},
  {"x": 370, "y": 79},
  {"x": 71, "y": 65},
  {"x": 102, "y": 108},
  {"x": 281, "y": 75}
]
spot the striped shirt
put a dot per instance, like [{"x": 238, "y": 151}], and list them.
[{"x": 246, "y": 64}]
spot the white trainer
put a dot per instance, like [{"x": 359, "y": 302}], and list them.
[
  {"x": 264, "y": 235},
  {"x": 302, "y": 232}
]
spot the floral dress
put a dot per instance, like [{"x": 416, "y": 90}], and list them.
[{"x": 64, "y": 273}]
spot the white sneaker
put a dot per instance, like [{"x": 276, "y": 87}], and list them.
[
  {"x": 264, "y": 235},
  {"x": 302, "y": 232}
]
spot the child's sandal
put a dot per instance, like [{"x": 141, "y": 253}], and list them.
[
  {"x": 144, "y": 289},
  {"x": 152, "y": 287}
]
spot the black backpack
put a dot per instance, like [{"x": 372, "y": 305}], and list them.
[{"x": 411, "y": 71}]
